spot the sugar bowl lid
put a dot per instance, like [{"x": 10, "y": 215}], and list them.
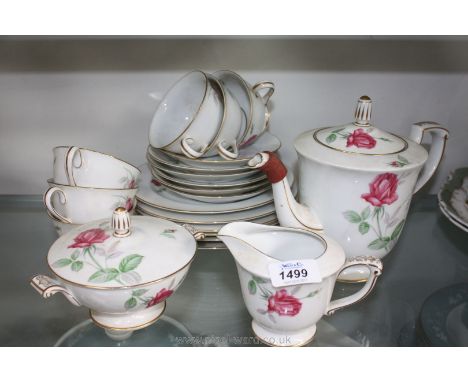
[
  {"x": 124, "y": 251},
  {"x": 359, "y": 143}
]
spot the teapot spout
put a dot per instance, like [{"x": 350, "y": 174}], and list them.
[{"x": 290, "y": 213}]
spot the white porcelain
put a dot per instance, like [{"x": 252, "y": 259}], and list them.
[
  {"x": 208, "y": 190},
  {"x": 356, "y": 182},
  {"x": 267, "y": 142},
  {"x": 79, "y": 205},
  {"x": 217, "y": 180},
  {"x": 75, "y": 166},
  {"x": 62, "y": 228},
  {"x": 287, "y": 316},
  {"x": 452, "y": 219},
  {"x": 119, "y": 268},
  {"x": 252, "y": 102},
  {"x": 156, "y": 195},
  {"x": 225, "y": 143},
  {"x": 191, "y": 109}
]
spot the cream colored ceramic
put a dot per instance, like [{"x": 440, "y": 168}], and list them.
[
  {"x": 225, "y": 142},
  {"x": 359, "y": 180},
  {"x": 267, "y": 142},
  {"x": 287, "y": 316},
  {"x": 119, "y": 269},
  {"x": 75, "y": 166},
  {"x": 79, "y": 205},
  {"x": 252, "y": 99},
  {"x": 192, "y": 110}
]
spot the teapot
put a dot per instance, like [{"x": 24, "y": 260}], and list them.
[
  {"x": 287, "y": 315},
  {"x": 355, "y": 182}
]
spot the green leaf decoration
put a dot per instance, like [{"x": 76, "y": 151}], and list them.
[
  {"x": 364, "y": 228},
  {"x": 252, "y": 285},
  {"x": 365, "y": 213},
  {"x": 139, "y": 292},
  {"x": 75, "y": 254},
  {"x": 76, "y": 266},
  {"x": 104, "y": 275},
  {"x": 378, "y": 243},
  {"x": 352, "y": 216},
  {"x": 130, "y": 262},
  {"x": 259, "y": 279},
  {"x": 338, "y": 130},
  {"x": 312, "y": 294},
  {"x": 377, "y": 211},
  {"x": 385, "y": 139},
  {"x": 402, "y": 159},
  {"x": 130, "y": 303},
  {"x": 62, "y": 263},
  {"x": 396, "y": 232},
  {"x": 331, "y": 138}
]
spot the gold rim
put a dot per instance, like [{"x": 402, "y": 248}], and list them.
[
  {"x": 199, "y": 106},
  {"x": 203, "y": 223},
  {"x": 157, "y": 163},
  {"x": 52, "y": 182},
  {"x": 88, "y": 286},
  {"x": 144, "y": 325},
  {"x": 247, "y": 185},
  {"x": 405, "y": 145},
  {"x": 99, "y": 152},
  {"x": 187, "y": 191}
]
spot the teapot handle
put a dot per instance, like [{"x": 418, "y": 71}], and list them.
[
  {"x": 375, "y": 266},
  {"x": 47, "y": 286},
  {"x": 439, "y": 139}
]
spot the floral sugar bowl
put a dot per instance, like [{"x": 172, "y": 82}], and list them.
[
  {"x": 355, "y": 182},
  {"x": 122, "y": 270}
]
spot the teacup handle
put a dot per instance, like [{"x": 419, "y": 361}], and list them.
[
  {"x": 375, "y": 267},
  {"x": 188, "y": 150},
  {"x": 69, "y": 164},
  {"x": 47, "y": 286},
  {"x": 439, "y": 139},
  {"x": 270, "y": 86},
  {"x": 50, "y": 208},
  {"x": 223, "y": 150}
]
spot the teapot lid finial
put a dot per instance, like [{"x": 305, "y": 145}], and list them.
[
  {"x": 363, "y": 112},
  {"x": 121, "y": 222}
]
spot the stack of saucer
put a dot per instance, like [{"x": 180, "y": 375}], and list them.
[{"x": 453, "y": 198}]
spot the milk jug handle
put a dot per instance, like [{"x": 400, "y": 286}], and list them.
[
  {"x": 439, "y": 139},
  {"x": 375, "y": 267}
]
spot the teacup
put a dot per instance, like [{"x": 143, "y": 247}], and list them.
[
  {"x": 252, "y": 99},
  {"x": 192, "y": 108},
  {"x": 77, "y": 166},
  {"x": 79, "y": 205},
  {"x": 226, "y": 141}
]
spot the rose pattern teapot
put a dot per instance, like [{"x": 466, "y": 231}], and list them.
[{"x": 355, "y": 182}]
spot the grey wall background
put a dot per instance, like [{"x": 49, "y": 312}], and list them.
[{"x": 95, "y": 92}]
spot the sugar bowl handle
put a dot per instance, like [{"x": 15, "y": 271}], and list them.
[
  {"x": 47, "y": 286},
  {"x": 439, "y": 139},
  {"x": 264, "y": 85},
  {"x": 49, "y": 206},
  {"x": 375, "y": 267}
]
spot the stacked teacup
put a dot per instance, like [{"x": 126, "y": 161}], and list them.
[{"x": 88, "y": 185}]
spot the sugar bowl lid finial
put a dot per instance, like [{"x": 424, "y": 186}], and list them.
[
  {"x": 121, "y": 222},
  {"x": 363, "y": 112}
]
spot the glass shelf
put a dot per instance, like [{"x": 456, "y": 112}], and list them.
[{"x": 431, "y": 254}]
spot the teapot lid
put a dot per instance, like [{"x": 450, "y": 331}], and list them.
[
  {"x": 121, "y": 252},
  {"x": 360, "y": 136},
  {"x": 360, "y": 143}
]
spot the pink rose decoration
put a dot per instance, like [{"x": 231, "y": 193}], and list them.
[
  {"x": 156, "y": 182},
  {"x": 129, "y": 205},
  {"x": 284, "y": 304},
  {"x": 88, "y": 238},
  {"x": 382, "y": 190},
  {"x": 160, "y": 297},
  {"x": 361, "y": 139},
  {"x": 132, "y": 184}
]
